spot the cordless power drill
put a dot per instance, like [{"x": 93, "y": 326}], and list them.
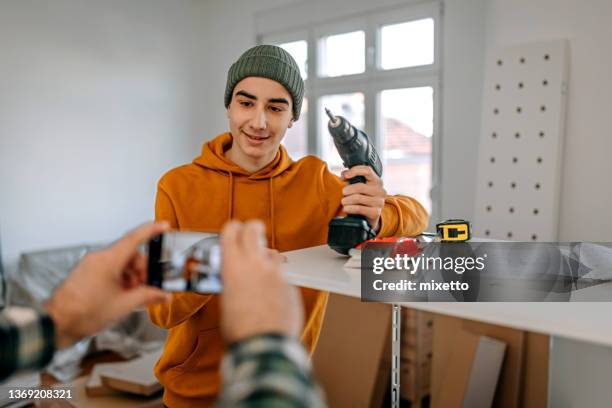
[{"x": 355, "y": 149}]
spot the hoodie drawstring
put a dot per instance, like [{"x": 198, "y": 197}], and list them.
[
  {"x": 272, "y": 223},
  {"x": 230, "y": 210}
]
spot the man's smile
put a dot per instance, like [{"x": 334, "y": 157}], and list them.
[{"x": 255, "y": 139}]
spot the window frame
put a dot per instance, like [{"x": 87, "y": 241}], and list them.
[{"x": 373, "y": 80}]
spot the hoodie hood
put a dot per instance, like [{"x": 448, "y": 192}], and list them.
[{"x": 213, "y": 158}]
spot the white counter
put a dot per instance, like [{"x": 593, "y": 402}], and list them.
[{"x": 322, "y": 268}]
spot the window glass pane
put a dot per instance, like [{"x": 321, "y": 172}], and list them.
[
  {"x": 407, "y": 123},
  {"x": 407, "y": 44},
  {"x": 296, "y": 137},
  {"x": 342, "y": 54},
  {"x": 351, "y": 107},
  {"x": 299, "y": 52}
]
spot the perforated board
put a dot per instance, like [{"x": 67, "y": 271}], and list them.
[{"x": 521, "y": 145}]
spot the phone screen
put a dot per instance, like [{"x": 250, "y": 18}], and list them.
[{"x": 182, "y": 261}]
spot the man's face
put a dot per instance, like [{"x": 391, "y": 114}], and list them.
[{"x": 259, "y": 114}]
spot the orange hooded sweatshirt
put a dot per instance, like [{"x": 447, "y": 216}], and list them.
[{"x": 295, "y": 200}]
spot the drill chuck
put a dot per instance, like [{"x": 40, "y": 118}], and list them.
[
  {"x": 353, "y": 145},
  {"x": 341, "y": 130}
]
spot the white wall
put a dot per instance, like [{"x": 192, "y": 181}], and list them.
[
  {"x": 586, "y": 191},
  {"x": 97, "y": 101},
  {"x": 227, "y": 30},
  {"x": 462, "y": 82}
]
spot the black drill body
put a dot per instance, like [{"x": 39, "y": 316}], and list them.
[{"x": 354, "y": 148}]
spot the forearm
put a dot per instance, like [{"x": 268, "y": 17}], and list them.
[
  {"x": 402, "y": 216},
  {"x": 268, "y": 370},
  {"x": 27, "y": 340}
]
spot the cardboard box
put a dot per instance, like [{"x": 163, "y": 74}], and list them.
[
  {"x": 473, "y": 369},
  {"x": 94, "y": 386},
  {"x": 523, "y": 381},
  {"x": 415, "y": 355},
  {"x": 80, "y": 399},
  {"x": 134, "y": 376},
  {"x": 416, "y": 321},
  {"x": 352, "y": 360}
]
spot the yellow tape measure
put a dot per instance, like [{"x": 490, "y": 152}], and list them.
[{"x": 454, "y": 230}]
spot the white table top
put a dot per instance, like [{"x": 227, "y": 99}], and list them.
[{"x": 322, "y": 268}]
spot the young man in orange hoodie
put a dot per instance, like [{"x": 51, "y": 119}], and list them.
[{"x": 244, "y": 174}]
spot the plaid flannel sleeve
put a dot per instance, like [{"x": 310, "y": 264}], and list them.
[
  {"x": 268, "y": 370},
  {"x": 27, "y": 339}
]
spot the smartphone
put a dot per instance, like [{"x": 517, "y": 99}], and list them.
[{"x": 181, "y": 261}]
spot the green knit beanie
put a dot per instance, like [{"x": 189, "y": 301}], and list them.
[{"x": 272, "y": 62}]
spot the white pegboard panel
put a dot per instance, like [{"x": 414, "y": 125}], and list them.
[{"x": 521, "y": 144}]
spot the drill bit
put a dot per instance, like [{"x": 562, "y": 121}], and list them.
[{"x": 333, "y": 119}]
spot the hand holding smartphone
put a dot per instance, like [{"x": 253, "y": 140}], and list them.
[{"x": 181, "y": 261}]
